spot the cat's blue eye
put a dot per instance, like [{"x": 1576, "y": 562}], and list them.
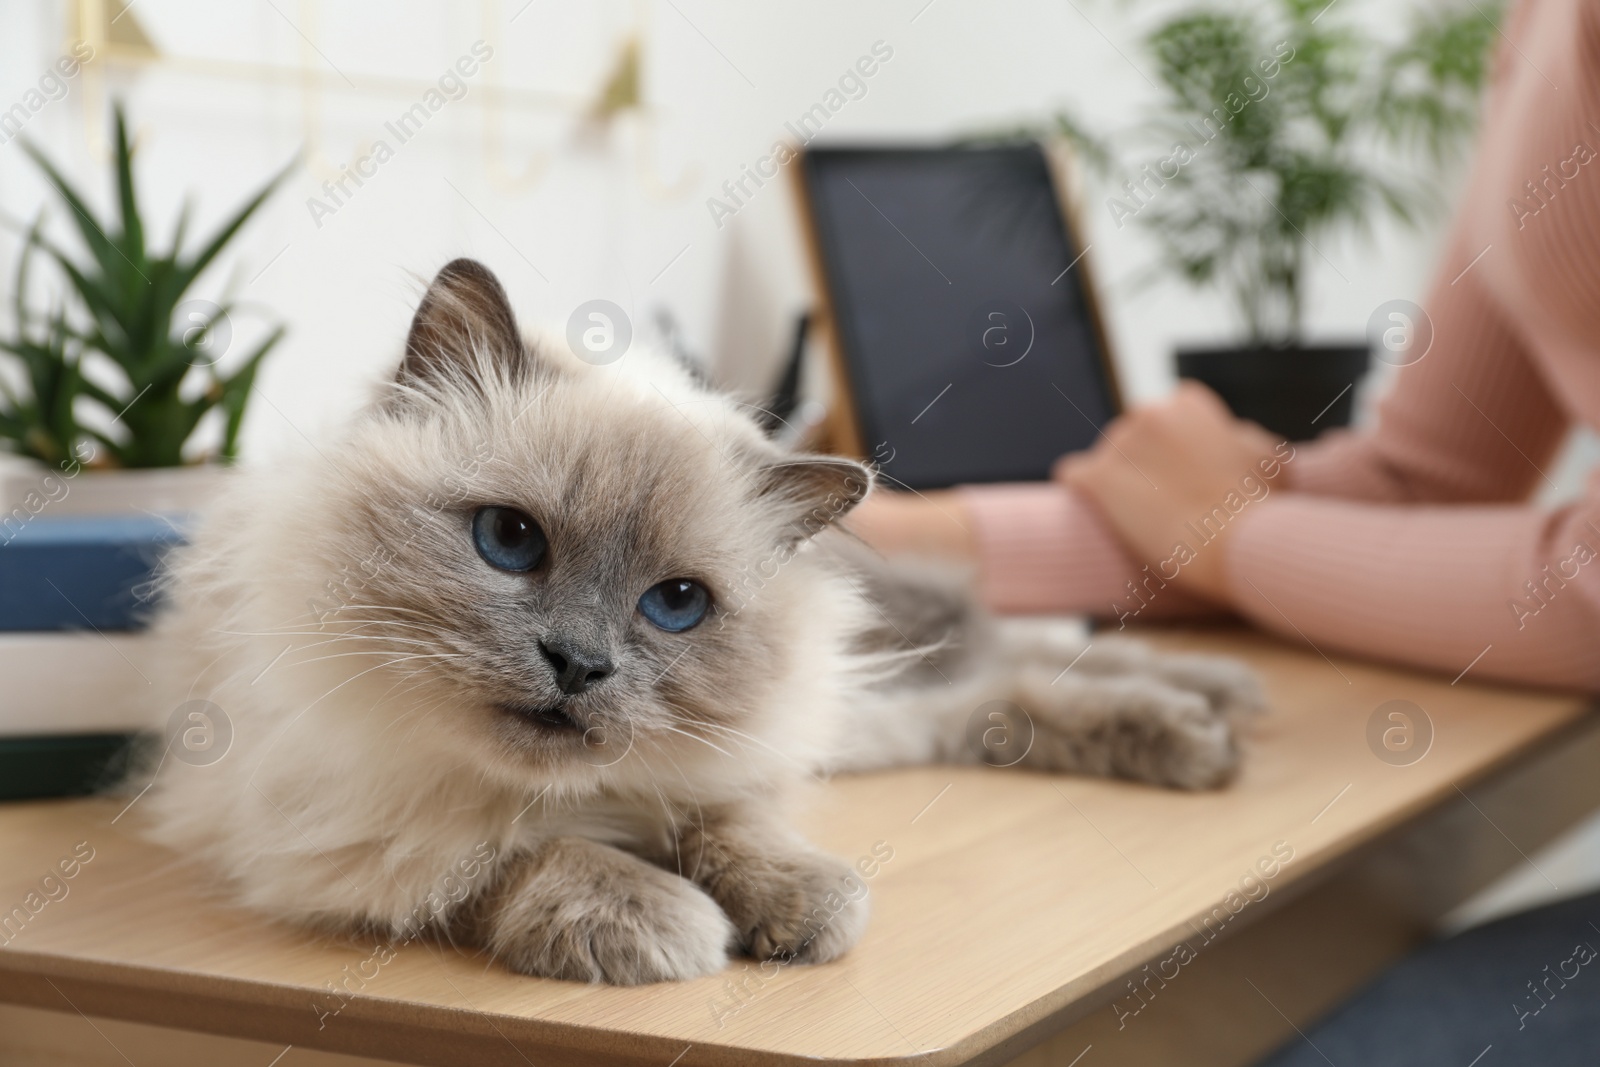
[
  {"x": 676, "y": 604},
  {"x": 508, "y": 539}
]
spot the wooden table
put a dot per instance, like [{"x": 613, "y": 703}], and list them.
[{"x": 1013, "y": 912}]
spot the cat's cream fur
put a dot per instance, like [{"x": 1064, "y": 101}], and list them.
[{"x": 371, "y": 664}]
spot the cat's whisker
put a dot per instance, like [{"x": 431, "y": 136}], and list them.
[
  {"x": 378, "y": 642},
  {"x": 355, "y": 605},
  {"x": 327, "y": 618},
  {"x": 696, "y": 737},
  {"x": 345, "y": 612},
  {"x": 735, "y": 734},
  {"x": 286, "y": 727},
  {"x": 399, "y": 655},
  {"x": 413, "y": 682},
  {"x": 666, "y": 810},
  {"x": 398, "y": 719},
  {"x": 667, "y": 807},
  {"x": 200, "y": 675},
  {"x": 421, "y": 711},
  {"x": 420, "y": 722},
  {"x": 356, "y": 629},
  {"x": 327, "y": 635},
  {"x": 420, "y": 678},
  {"x": 290, "y": 658},
  {"x": 380, "y": 626},
  {"x": 359, "y": 607}
]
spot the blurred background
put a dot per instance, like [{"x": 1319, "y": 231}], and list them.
[
  {"x": 582, "y": 151},
  {"x": 579, "y": 159}
]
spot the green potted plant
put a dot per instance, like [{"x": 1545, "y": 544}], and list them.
[
  {"x": 1282, "y": 126},
  {"x": 108, "y": 386}
]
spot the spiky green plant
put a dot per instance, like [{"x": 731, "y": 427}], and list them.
[
  {"x": 1346, "y": 129},
  {"x": 37, "y": 419},
  {"x": 124, "y": 302}
]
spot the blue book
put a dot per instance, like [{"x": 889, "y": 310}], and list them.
[{"x": 92, "y": 572}]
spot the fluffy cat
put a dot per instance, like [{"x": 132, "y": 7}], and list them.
[{"x": 537, "y": 654}]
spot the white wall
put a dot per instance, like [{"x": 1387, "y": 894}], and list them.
[{"x": 604, "y": 215}]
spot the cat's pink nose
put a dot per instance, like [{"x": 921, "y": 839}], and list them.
[{"x": 576, "y": 668}]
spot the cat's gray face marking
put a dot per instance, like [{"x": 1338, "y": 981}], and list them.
[{"x": 628, "y": 486}]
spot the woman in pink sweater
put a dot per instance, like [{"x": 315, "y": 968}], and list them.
[{"x": 1414, "y": 541}]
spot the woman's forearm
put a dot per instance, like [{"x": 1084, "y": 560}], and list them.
[
  {"x": 1511, "y": 592},
  {"x": 1041, "y": 548},
  {"x": 934, "y": 525}
]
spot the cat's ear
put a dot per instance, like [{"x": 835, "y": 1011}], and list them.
[
  {"x": 463, "y": 325},
  {"x": 815, "y": 491}
]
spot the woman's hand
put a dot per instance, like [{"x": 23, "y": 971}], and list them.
[{"x": 1174, "y": 479}]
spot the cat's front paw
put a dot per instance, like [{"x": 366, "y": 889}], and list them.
[
  {"x": 806, "y": 908},
  {"x": 590, "y": 913}
]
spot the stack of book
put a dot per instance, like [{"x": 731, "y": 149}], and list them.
[{"x": 75, "y": 670}]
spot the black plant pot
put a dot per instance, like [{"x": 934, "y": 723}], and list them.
[{"x": 1295, "y": 391}]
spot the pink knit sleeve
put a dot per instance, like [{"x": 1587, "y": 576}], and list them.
[
  {"x": 1477, "y": 416},
  {"x": 1490, "y": 592},
  {"x": 1416, "y": 541},
  {"x": 1472, "y": 421},
  {"x": 1043, "y": 549}
]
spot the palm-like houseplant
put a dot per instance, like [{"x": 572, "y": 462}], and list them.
[{"x": 1282, "y": 126}]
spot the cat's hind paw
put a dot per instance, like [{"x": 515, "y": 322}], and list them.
[
  {"x": 1128, "y": 727},
  {"x": 1232, "y": 689}
]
